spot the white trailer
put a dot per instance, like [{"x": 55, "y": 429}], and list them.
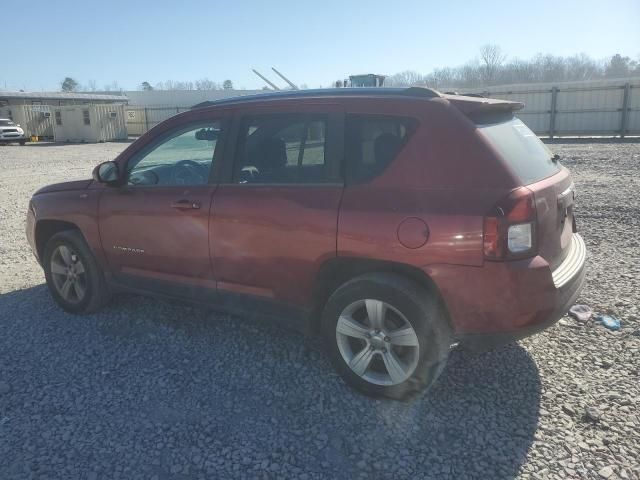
[{"x": 89, "y": 123}]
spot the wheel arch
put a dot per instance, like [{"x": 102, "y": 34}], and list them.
[
  {"x": 47, "y": 228},
  {"x": 337, "y": 271}
]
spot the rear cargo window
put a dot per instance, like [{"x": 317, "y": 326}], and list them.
[{"x": 522, "y": 149}]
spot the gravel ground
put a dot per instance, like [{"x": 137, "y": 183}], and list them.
[{"x": 150, "y": 389}]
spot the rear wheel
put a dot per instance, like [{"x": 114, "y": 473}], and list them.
[
  {"x": 75, "y": 280},
  {"x": 386, "y": 335}
]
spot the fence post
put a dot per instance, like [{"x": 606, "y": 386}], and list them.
[
  {"x": 625, "y": 109},
  {"x": 552, "y": 116},
  {"x": 177, "y": 110},
  {"x": 146, "y": 121}
]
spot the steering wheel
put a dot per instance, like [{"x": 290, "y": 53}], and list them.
[
  {"x": 248, "y": 174},
  {"x": 188, "y": 172}
]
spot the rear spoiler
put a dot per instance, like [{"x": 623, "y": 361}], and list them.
[{"x": 484, "y": 110}]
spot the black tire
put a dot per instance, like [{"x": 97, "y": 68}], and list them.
[
  {"x": 420, "y": 308},
  {"x": 22, "y": 142},
  {"x": 96, "y": 293}
]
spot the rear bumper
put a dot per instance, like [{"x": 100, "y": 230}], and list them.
[{"x": 504, "y": 302}]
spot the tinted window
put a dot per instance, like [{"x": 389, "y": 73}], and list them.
[
  {"x": 522, "y": 149},
  {"x": 372, "y": 143},
  {"x": 184, "y": 157},
  {"x": 282, "y": 149}
]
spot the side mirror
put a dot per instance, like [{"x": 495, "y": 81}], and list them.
[{"x": 107, "y": 172}]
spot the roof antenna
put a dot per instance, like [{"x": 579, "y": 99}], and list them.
[
  {"x": 273, "y": 85},
  {"x": 291, "y": 84}
]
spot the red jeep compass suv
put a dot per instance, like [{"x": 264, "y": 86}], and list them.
[{"x": 395, "y": 222}]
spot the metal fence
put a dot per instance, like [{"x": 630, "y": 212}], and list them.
[
  {"x": 610, "y": 108},
  {"x": 140, "y": 119}
]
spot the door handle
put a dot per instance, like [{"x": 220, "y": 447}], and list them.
[{"x": 185, "y": 204}]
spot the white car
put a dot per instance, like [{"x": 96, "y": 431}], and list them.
[{"x": 11, "y": 132}]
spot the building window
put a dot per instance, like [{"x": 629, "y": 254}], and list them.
[
  {"x": 58, "y": 117},
  {"x": 85, "y": 117}
]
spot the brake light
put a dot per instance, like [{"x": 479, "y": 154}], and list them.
[{"x": 509, "y": 229}]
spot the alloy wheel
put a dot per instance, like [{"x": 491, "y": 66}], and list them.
[
  {"x": 68, "y": 274},
  {"x": 377, "y": 342}
]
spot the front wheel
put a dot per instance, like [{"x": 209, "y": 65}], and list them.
[
  {"x": 386, "y": 335},
  {"x": 75, "y": 280},
  {"x": 22, "y": 142}
]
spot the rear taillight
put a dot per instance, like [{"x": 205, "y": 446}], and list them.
[{"x": 509, "y": 228}]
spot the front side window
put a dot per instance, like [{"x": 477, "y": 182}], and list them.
[
  {"x": 282, "y": 148},
  {"x": 184, "y": 157},
  {"x": 372, "y": 142}
]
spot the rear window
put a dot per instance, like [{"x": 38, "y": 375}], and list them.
[
  {"x": 372, "y": 142},
  {"x": 522, "y": 149}
]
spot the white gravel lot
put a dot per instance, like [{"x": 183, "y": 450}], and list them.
[{"x": 150, "y": 389}]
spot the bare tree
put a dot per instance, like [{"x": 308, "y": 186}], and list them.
[
  {"x": 206, "y": 84},
  {"x": 619, "y": 66},
  {"x": 92, "y": 85},
  {"x": 405, "y": 79},
  {"x": 491, "y": 59},
  {"x": 112, "y": 87}
]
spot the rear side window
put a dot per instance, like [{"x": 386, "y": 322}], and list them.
[
  {"x": 372, "y": 142},
  {"x": 282, "y": 148},
  {"x": 521, "y": 149}
]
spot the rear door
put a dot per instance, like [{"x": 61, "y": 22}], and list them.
[
  {"x": 551, "y": 184},
  {"x": 275, "y": 216}
]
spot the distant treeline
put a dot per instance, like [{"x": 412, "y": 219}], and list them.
[{"x": 491, "y": 67}]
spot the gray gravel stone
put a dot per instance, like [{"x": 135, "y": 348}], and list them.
[
  {"x": 4, "y": 388},
  {"x": 605, "y": 472},
  {"x": 592, "y": 413}
]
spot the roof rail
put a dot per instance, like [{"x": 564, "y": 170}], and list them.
[{"x": 421, "y": 92}]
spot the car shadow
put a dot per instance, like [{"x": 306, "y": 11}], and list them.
[{"x": 164, "y": 381}]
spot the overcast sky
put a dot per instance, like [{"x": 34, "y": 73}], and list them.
[{"x": 313, "y": 43}]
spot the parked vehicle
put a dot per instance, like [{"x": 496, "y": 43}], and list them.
[
  {"x": 394, "y": 222},
  {"x": 11, "y": 132}
]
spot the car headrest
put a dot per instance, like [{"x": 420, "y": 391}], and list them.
[
  {"x": 386, "y": 146},
  {"x": 274, "y": 154}
]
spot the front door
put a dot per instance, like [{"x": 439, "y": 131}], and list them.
[
  {"x": 154, "y": 228},
  {"x": 275, "y": 217}
]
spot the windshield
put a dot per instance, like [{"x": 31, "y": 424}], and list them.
[
  {"x": 6, "y": 123},
  {"x": 522, "y": 149}
]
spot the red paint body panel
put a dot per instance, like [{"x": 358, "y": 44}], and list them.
[
  {"x": 272, "y": 240},
  {"x": 175, "y": 243}
]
